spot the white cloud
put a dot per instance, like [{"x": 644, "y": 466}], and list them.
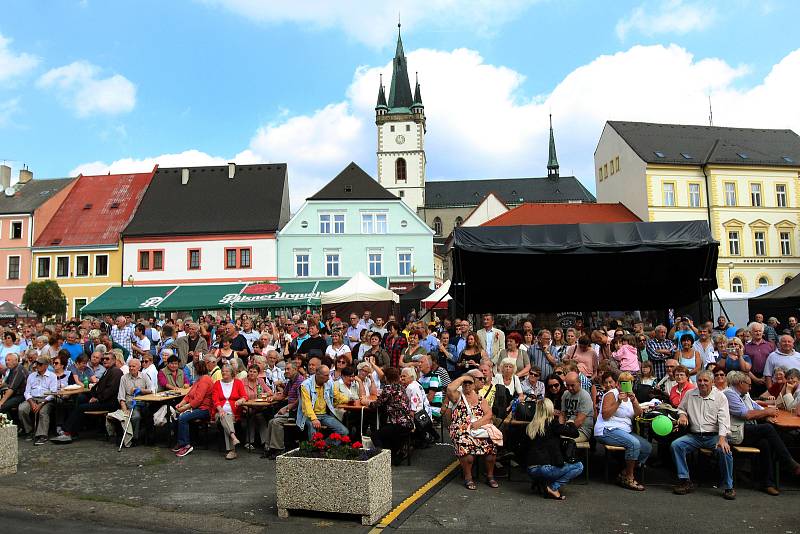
[
  {"x": 7, "y": 109},
  {"x": 481, "y": 124},
  {"x": 128, "y": 165},
  {"x": 81, "y": 88},
  {"x": 14, "y": 65},
  {"x": 369, "y": 21},
  {"x": 670, "y": 16}
]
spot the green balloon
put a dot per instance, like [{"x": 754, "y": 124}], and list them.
[{"x": 662, "y": 425}]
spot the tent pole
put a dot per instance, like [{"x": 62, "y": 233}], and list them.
[{"x": 721, "y": 307}]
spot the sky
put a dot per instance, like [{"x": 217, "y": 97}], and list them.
[{"x": 94, "y": 86}]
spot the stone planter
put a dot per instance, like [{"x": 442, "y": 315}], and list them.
[
  {"x": 8, "y": 450},
  {"x": 342, "y": 486}
]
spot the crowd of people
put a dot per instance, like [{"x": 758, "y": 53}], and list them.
[{"x": 723, "y": 385}]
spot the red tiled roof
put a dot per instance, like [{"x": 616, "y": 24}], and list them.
[
  {"x": 548, "y": 213},
  {"x": 96, "y": 210}
]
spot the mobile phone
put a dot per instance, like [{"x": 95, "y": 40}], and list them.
[{"x": 626, "y": 386}]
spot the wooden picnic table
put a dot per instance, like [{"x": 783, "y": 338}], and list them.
[
  {"x": 163, "y": 396},
  {"x": 260, "y": 403},
  {"x": 66, "y": 393},
  {"x": 787, "y": 420},
  {"x": 359, "y": 406}
]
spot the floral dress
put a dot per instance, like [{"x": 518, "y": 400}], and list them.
[
  {"x": 463, "y": 442},
  {"x": 395, "y": 406}
]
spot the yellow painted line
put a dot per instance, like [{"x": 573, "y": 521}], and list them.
[{"x": 414, "y": 497}]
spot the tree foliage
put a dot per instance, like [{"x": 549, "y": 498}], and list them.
[{"x": 45, "y": 298}]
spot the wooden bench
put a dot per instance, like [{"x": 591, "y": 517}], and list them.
[
  {"x": 102, "y": 414},
  {"x": 584, "y": 446},
  {"x": 741, "y": 451},
  {"x": 616, "y": 448}
]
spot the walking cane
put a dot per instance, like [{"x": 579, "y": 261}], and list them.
[{"x": 128, "y": 422}]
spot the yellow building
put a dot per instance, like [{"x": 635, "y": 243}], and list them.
[
  {"x": 743, "y": 181},
  {"x": 81, "y": 248}
]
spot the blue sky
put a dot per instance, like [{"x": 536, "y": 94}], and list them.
[{"x": 96, "y": 85}]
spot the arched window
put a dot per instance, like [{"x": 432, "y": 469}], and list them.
[
  {"x": 762, "y": 281},
  {"x": 437, "y": 226},
  {"x": 736, "y": 285},
  {"x": 400, "y": 170},
  {"x": 459, "y": 220}
]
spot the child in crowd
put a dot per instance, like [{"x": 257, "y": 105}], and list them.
[
  {"x": 647, "y": 378},
  {"x": 627, "y": 355}
]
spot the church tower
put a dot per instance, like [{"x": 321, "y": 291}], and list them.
[{"x": 401, "y": 134}]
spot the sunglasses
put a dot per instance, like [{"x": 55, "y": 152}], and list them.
[
  {"x": 534, "y": 374},
  {"x": 719, "y": 374},
  {"x": 553, "y": 385},
  {"x": 560, "y": 373}
]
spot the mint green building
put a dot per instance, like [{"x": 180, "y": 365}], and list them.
[{"x": 354, "y": 224}]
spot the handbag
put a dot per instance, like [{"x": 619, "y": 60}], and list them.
[
  {"x": 480, "y": 433},
  {"x": 569, "y": 450},
  {"x": 422, "y": 420},
  {"x": 525, "y": 410},
  {"x": 366, "y": 441}
]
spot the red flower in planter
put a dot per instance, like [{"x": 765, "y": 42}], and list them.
[
  {"x": 345, "y": 439},
  {"x": 357, "y": 445},
  {"x": 320, "y": 445},
  {"x": 336, "y": 436},
  {"x": 317, "y": 436}
]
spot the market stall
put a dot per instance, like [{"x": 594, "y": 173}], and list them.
[{"x": 358, "y": 294}]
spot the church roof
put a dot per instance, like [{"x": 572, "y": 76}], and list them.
[
  {"x": 557, "y": 213},
  {"x": 512, "y": 191},
  {"x": 353, "y": 184}
]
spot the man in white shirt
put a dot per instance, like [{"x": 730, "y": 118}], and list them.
[
  {"x": 249, "y": 334},
  {"x": 706, "y": 412},
  {"x": 275, "y": 375},
  {"x": 784, "y": 356},
  {"x": 142, "y": 344},
  {"x": 38, "y": 401}
]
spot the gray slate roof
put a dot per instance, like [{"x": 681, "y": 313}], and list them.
[
  {"x": 513, "y": 191},
  {"x": 31, "y": 195},
  {"x": 353, "y": 183},
  {"x": 720, "y": 145},
  {"x": 255, "y": 200}
]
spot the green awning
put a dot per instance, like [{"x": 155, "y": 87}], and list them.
[
  {"x": 290, "y": 294},
  {"x": 206, "y": 297},
  {"x": 127, "y": 299}
]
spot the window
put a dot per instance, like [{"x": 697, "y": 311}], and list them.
[
  {"x": 668, "y": 191},
  {"x": 786, "y": 243},
  {"x": 62, "y": 266},
  {"x": 762, "y": 281},
  {"x": 375, "y": 261},
  {"x": 616, "y": 163},
  {"x": 611, "y": 164},
  {"x": 408, "y": 127},
  {"x": 331, "y": 264},
  {"x": 301, "y": 264},
  {"x": 458, "y": 222},
  {"x": 402, "y": 193},
  {"x": 400, "y": 170},
  {"x": 605, "y": 170},
  {"x": 79, "y": 303},
  {"x": 16, "y": 229},
  {"x": 404, "y": 263},
  {"x": 230, "y": 258},
  {"x": 101, "y": 265},
  {"x": 151, "y": 260},
  {"x": 600, "y": 173},
  {"x": 391, "y": 128},
  {"x": 437, "y": 226},
  {"x": 694, "y": 195},
  {"x": 331, "y": 223},
  {"x": 730, "y": 194},
  {"x": 755, "y": 194},
  {"x": 238, "y": 258},
  {"x": 780, "y": 195},
  {"x": 736, "y": 285},
  {"x": 733, "y": 243},
  {"x": 43, "y": 268},
  {"x": 194, "y": 259},
  {"x": 760, "y": 243},
  {"x": 244, "y": 258},
  {"x": 81, "y": 265},
  {"x": 373, "y": 223}
]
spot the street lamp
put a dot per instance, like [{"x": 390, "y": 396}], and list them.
[
  {"x": 730, "y": 280},
  {"x": 130, "y": 279},
  {"x": 413, "y": 272}
]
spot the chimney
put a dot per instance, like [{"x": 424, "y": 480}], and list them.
[
  {"x": 184, "y": 176},
  {"x": 25, "y": 175},
  {"x": 5, "y": 176},
  {"x": 231, "y": 169}
]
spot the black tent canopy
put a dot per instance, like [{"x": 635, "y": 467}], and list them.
[
  {"x": 781, "y": 302},
  {"x": 608, "y": 266},
  {"x": 413, "y": 298}
]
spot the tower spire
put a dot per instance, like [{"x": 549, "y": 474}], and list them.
[
  {"x": 381, "y": 96},
  {"x": 552, "y": 160},
  {"x": 400, "y": 95}
]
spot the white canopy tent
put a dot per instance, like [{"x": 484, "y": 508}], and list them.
[
  {"x": 438, "y": 299},
  {"x": 736, "y": 304},
  {"x": 360, "y": 288}
]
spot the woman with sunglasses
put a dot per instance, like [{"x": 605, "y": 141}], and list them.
[
  {"x": 720, "y": 380},
  {"x": 553, "y": 389},
  {"x": 470, "y": 413}
]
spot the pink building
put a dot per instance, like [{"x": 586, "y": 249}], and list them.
[{"x": 25, "y": 210}]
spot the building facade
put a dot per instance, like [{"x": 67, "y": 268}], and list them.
[
  {"x": 177, "y": 237},
  {"x": 354, "y": 225},
  {"x": 743, "y": 181},
  {"x": 25, "y": 210},
  {"x": 81, "y": 248}
]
